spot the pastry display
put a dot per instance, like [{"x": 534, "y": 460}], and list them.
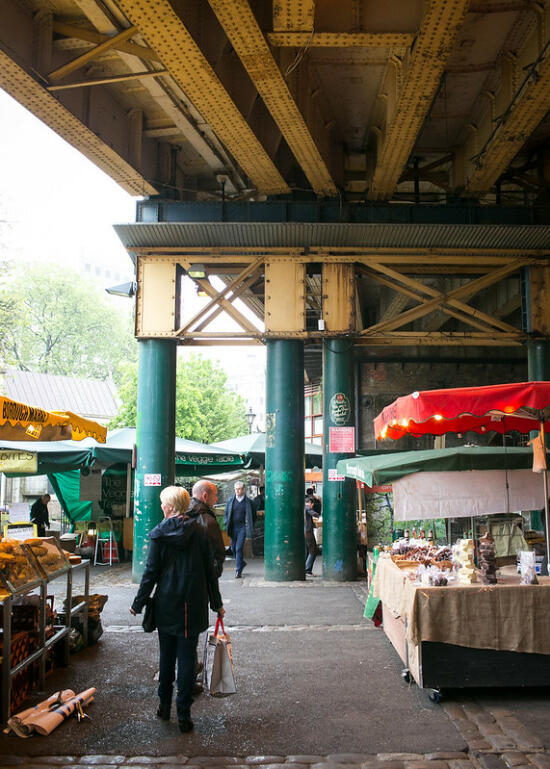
[
  {"x": 15, "y": 565},
  {"x": 407, "y": 553},
  {"x": 464, "y": 558},
  {"x": 47, "y": 554}
]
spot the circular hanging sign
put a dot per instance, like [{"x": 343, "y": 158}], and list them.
[{"x": 340, "y": 409}]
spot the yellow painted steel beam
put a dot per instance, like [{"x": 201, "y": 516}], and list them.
[
  {"x": 526, "y": 113},
  {"x": 340, "y": 39},
  {"x": 430, "y": 53},
  {"x": 17, "y": 82},
  {"x": 108, "y": 80},
  {"x": 91, "y": 36},
  {"x": 166, "y": 34},
  {"x": 293, "y": 14},
  {"x": 84, "y": 58},
  {"x": 442, "y": 339},
  {"x": 247, "y": 39}
]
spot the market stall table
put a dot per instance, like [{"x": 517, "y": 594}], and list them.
[{"x": 466, "y": 635}]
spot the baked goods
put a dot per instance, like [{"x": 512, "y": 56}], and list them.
[
  {"x": 47, "y": 554},
  {"x": 15, "y": 565}
]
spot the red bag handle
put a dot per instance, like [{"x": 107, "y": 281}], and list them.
[{"x": 219, "y": 622}]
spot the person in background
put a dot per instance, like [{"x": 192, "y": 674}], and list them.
[
  {"x": 309, "y": 526},
  {"x": 239, "y": 524},
  {"x": 205, "y": 496},
  {"x": 180, "y": 563},
  {"x": 317, "y": 504},
  {"x": 258, "y": 502},
  {"x": 39, "y": 514}
]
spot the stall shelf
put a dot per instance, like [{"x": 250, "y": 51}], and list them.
[
  {"x": 7, "y": 594},
  {"x": 462, "y": 636}
]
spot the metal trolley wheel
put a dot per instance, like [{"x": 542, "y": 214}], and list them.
[{"x": 435, "y": 695}]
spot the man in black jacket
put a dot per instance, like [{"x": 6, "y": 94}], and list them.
[
  {"x": 205, "y": 496},
  {"x": 39, "y": 514},
  {"x": 239, "y": 524}
]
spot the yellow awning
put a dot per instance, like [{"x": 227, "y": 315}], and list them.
[{"x": 21, "y": 422}]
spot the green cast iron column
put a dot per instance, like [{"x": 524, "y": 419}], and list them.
[
  {"x": 284, "y": 545},
  {"x": 538, "y": 361},
  {"x": 339, "y": 525},
  {"x": 155, "y": 440}
]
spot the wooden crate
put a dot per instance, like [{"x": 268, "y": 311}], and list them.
[{"x": 21, "y": 683}]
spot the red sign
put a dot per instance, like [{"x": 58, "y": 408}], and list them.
[{"x": 341, "y": 440}]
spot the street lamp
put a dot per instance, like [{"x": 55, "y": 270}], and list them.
[{"x": 250, "y": 417}]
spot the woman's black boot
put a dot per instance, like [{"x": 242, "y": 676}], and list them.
[
  {"x": 185, "y": 724},
  {"x": 164, "y": 711}
]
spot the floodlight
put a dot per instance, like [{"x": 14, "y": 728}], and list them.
[
  {"x": 127, "y": 290},
  {"x": 197, "y": 271}
]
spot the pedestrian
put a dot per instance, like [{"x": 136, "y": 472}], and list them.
[
  {"x": 259, "y": 500},
  {"x": 39, "y": 514},
  {"x": 181, "y": 565},
  {"x": 317, "y": 504},
  {"x": 205, "y": 496},
  {"x": 309, "y": 526},
  {"x": 239, "y": 524}
]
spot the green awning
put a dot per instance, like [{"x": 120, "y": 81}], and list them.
[
  {"x": 192, "y": 458},
  {"x": 53, "y": 456},
  {"x": 252, "y": 447},
  {"x": 379, "y": 470}
]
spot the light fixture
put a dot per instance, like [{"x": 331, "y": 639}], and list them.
[
  {"x": 250, "y": 417},
  {"x": 197, "y": 271},
  {"x": 127, "y": 290},
  {"x": 201, "y": 292}
]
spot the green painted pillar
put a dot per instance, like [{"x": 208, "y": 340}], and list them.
[
  {"x": 155, "y": 439},
  {"x": 339, "y": 524},
  {"x": 284, "y": 543},
  {"x": 538, "y": 360}
]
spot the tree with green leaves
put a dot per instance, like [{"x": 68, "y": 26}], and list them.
[
  {"x": 61, "y": 323},
  {"x": 206, "y": 410}
]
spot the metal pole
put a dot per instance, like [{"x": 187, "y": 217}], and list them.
[
  {"x": 339, "y": 519},
  {"x": 155, "y": 439},
  {"x": 284, "y": 544}
]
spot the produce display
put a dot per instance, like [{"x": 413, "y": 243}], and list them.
[
  {"x": 47, "y": 554},
  {"x": 411, "y": 552},
  {"x": 16, "y": 566}
]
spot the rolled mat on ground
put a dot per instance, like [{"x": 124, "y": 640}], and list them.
[{"x": 48, "y": 714}]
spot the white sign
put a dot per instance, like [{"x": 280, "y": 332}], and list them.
[
  {"x": 151, "y": 479},
  {"x": 90, "y": 485},
  {"x": 19, "y": 511},
  {"x": 333, "y": 475}
]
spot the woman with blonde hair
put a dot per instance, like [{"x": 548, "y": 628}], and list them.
[{"x": 180, "y": 563}]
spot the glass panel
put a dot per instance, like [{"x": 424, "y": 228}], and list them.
[
  {"x": 318, "y": 403},
  {"x": 318, "y": 426},
  {"x": 318, "y": 441},
  {"x": 307, "y": 428},
  {"x": 307, "y": 403}
]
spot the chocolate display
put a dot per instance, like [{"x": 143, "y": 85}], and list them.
[{"x": 487, "y": 559}]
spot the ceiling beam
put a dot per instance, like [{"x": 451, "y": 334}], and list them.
[
  {"x": 84, "y": 58},
  {"x": 247, "y": 39},
  {"x": 166, "y": 34},
  {"x": 528, "y": 107},
  {"x": 341, "y": 39},
  {"x": 79, "y": 33},
  {"x": 290, "y": 14},
  {"x": 408, "y": 104}
]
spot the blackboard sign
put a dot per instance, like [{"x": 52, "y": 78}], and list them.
[{"x": 21, "y": 531}]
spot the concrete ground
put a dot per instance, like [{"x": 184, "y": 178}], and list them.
[{"x": 314, "y": 679}]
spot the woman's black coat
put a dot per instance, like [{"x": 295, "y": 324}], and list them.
[{"x": 181, "y": 564}]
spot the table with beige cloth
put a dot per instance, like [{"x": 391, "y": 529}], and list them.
[{"x": 506, "y": 617}]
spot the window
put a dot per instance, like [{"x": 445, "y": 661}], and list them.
[{"x": 313, "y": 414}]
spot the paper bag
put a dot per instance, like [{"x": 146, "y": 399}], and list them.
[{"x": 218, "y": 674}]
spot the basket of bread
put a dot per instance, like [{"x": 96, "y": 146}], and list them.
[
  {"x": 47, "y": 555},
  {"x": 16, "y": 566}
]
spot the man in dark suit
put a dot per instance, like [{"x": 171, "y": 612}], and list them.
[{"x": 239, "y": 524}]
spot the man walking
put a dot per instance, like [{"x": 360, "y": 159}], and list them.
[
  {"x": 39, "y": 514},
  {"x": 239, "y": 524},
  {"x": 205, "y": 496}
]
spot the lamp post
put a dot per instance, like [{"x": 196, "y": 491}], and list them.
[{"x": 250, "y": 417}]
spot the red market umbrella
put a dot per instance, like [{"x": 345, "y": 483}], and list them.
[{"x": 520, "y": 406}]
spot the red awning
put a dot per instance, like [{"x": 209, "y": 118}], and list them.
[{"x": 520, "y": 406}]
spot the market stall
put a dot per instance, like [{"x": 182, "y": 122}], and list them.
[{"x": 453, "y": 625}]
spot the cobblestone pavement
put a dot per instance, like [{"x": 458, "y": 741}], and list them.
[{"x": 493, "y": 729}]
